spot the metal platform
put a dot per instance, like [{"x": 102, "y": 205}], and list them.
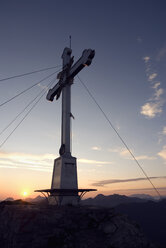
[{"x": 64, "y": 192}]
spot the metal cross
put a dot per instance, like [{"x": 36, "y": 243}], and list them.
[{"x": 66, "y": 78}]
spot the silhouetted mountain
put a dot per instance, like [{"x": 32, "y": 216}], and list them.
[
  {"x": 110, "y": 200},
  {"x": 9, "y": 199},
  {"x": 34, "y": 226},
  {"x": 151, "y": 216},
  {"x": 36, "y": 199},
  {"x": 144, "y": 196},
  {"x": 15, "y": 202}
]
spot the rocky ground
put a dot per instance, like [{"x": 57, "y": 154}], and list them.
[{"x": 35, "y": 226}]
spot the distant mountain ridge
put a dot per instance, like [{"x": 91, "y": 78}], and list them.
[
  {"x": 110, "y": 200},
  {"x": 145, "y": 196},
  {"x": 116, "y": 198}
]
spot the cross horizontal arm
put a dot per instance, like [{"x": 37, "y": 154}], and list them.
[
  {"x": 85, "y": 60},
  {"x": 55, "y": 91}
]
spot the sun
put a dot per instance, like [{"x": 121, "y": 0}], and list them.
[{"x": 25, "y": 193}]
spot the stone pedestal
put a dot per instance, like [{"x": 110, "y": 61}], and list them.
[{"x": 64, "y": 177}]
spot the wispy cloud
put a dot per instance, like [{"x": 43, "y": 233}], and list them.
[
  {"x": 158, "y": 93},
  {"x": 154, "y": 106},
  {"x": 143, "y": 190},
  {"x": 16, "y": 156},
  {"x": 161, "y": 135},
  {"x": 38, "y": 162},
  {"x": 146, "y": 59},
  {"x": 95, "y": 162},
  {"x": 152, "y": 76},
  {"x": 164, "y": 130},
  {"x": 112, "y": 181},
  {"x": 116, "y": 150},
  {"x": 151, "y": 109},
  {"x": 96, "y": 148},
  {"x": 162, "y": 153},
  {"x": 145, "y": 157},
  {"x": 161, "y": 54},
  {"x": 156, "y": 85},
  {"x": 126, "y": 154}
]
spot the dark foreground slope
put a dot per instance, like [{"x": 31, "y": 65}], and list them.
[
  {"x": 34, "y": 226},
  {"x": 151, "y": 216}
]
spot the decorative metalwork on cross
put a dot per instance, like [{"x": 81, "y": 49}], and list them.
[{"x": 64, "y": 188}]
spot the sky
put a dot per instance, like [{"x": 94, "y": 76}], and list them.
[{"x": 127, "y": 78}]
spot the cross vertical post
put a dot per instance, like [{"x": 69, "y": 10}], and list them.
[{"x": 66, "y": 105}]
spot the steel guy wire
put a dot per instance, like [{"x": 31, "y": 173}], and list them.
[
  {"x": 28, "y": 73},
  {"x": 34, "y": 105},
  {"x": 22, "y": 111},
  {"x": 122, "y": 140},
  {"x": 22, "y": 92}
]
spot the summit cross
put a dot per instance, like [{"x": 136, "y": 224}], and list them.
[{"x": 64, "y": 187}]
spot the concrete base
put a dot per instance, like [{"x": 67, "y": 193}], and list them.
[{"x": 64, "y": 177}]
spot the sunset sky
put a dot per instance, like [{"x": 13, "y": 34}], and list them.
[{"x": 127, "y": 78}]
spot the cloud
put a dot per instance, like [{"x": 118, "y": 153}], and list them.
[
  {"x": 161, "y": 54},
  {"x": 96, "y": 148},
  {"x": 40, "y": 162},
  {"x": 112, "y": 181},
  {"x": 151, "y": 109},
  {"x": 146, "y": 59},
  {"x": 158, "y": 93},
  {"x": 142, "y": 189},
  {"x": 120, "y": 150},
  {"x": 88, "y": 161},
  {"x": 156, "y": 85},
  {"x": 145, "y": 157},
  {"x": 161, "y": 135},
  {"x": 114, "y": 149},
  {"x": 126, "y": 154},
  {"x": 155, "y": 103},
  {"x": 164, "y": 130},
  {"x": 152, "y": 76},
  {"x": 41, "y": 169},
  {"x": 15, "y": 156},
  {"x": 154, "y": 106},
  {"x": 162, "y": 153}
]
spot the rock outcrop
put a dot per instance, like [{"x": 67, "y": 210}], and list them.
[{"x": 32, "y": 226}]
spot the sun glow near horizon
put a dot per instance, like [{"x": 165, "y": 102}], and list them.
[{"x": 25, "y": 193}]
